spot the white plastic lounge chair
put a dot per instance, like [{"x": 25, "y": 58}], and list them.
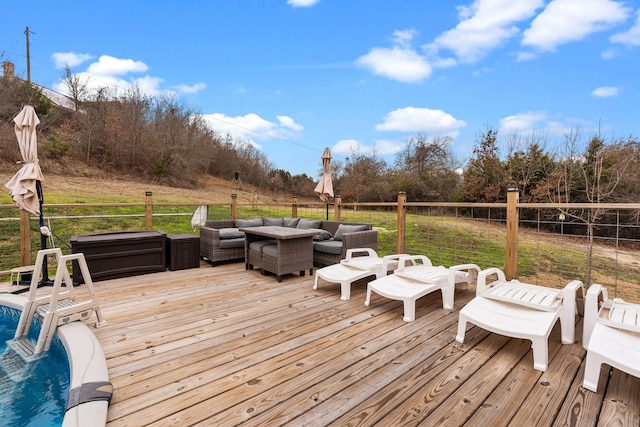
[
  {"x": 354, "y": 267},
  {"x": 521, "y": 310},
  {"x": 416, "y": 277},
  {"x": 611, "y": 335}
]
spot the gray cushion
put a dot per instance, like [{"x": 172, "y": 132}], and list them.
[
  {"x": 333, "y": 247},
  {"x": 290, "y": 222},
  {"x": 240, "y": 223},
  {"x": 232, "y": 243},
  {"x": 322, "y": 235},
  {"x": 272, "y": 221},
  {"x": 230, "y": 233},
  {"x": 270, "y": 250},
  {"x": 307, "y": 224},
  {"x": 259, "y": 244},
  {"x": 343, "y": 228}
]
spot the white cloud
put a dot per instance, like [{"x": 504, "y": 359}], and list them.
[
  {"x": 70, "y": 59},
  {"x": 110, "y": 66},
  {"x": 605, "y": 92},
  {"x": 384, "y": 146},
  {"x": 150, "y": 85},
  {"x": 403, "y": 37},
  {"x": 522, "y": 121},
  {"x": 412, "y": 119},
  {"x": 397, "y": 63},
  {"x": 194, "y": 88},
  {"x": 540, "y": 122},
  {"x": 525, "y": 56},
  {"x": 115, "y": 74},
  {"x": 347, "y": 147},
  {"x": 484, "y": 25},
  {"x": 564, "y": 21},
  {"x": 630, "y": 37},
  {"x": 302, "y": 3},
  {"x": 289, "y": 123},
  {"x": 251, "y": 126}
]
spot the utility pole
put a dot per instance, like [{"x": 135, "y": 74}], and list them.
[{"x": 26, "y": 32}]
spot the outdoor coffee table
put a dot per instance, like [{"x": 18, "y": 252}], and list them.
[{"x": 291, "y": 250}]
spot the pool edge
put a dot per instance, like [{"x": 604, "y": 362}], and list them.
[{"x": 87, "y": 365}]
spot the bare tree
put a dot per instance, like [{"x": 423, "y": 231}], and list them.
[
  {"x": 591, "y": 177},
  {"x": 77, "y": 86},
  {"x": 426, "y": 169}
]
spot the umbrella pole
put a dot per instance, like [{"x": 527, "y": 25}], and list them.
[
  {"x": 43, "y": 239},
  {"x": 327, "y": 208}
]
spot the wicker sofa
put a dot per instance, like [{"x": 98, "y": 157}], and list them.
[{"x": 220, "y": 240}]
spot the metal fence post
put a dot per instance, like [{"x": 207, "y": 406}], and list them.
[
  {"x": 402, "y": 219},
  {"x": 148, "y": 210},
  {"x": 511, "y": 263}
]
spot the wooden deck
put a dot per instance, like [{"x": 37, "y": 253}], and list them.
[{"x": 222, "y": 346}]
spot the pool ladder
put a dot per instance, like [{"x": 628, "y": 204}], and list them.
[{"x": 57, "y": 308}]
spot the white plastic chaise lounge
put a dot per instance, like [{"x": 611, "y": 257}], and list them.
[
  {"x": 358, "y": 264},
  {"x": 416, "y": 277},
  {"x": 521, "y": 310},
  {"x": 611, "y": 335}
]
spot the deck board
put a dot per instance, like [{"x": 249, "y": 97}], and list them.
[{"x": 225, "y": 346}]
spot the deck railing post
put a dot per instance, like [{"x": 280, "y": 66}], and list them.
[
  {"x": 294, "y": 207},
  {"x": 402, "y": 219},
  {"x": 25, "y": 237},
  {"x": 148, "y": 210},
  {"x": 337, "y": 207},
  {"x": 234, "y": 206},
  {"x": 511, "y": 263}
]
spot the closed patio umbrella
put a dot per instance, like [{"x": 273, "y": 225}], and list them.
[
  {"x": 324, "y": 189},
  {"x": 26, "y": 185},
  {"x": 23, "y": 184}
]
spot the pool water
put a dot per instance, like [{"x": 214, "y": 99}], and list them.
[{"x": 39, "y": 400}]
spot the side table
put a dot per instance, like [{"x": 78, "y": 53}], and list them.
[{"x": 183, "y": 251}]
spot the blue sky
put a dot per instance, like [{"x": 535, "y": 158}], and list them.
[{"x": 296, "y": 76}]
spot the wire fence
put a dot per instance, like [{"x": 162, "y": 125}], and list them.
[{"x": 552, "y": 248}]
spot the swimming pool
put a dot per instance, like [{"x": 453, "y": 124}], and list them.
[
  {"x": 79, "y": 364},
  {"x": 38, "y": 396}
]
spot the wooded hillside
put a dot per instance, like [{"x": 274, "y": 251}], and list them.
[{"x": 160, "y": 139}]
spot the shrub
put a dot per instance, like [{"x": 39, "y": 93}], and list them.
[{"x": 55, "y": 147}]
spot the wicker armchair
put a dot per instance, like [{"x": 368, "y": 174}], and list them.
[{"x": 210, "y": 242}]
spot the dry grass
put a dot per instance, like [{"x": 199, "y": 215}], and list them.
[{"x": 102, "y": 188}]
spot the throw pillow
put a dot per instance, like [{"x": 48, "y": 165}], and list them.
[
  {"x": 230, "y": 233},
  {"x": 343, "y": 228},
  {"x": 290, "y": 222},
  {"x": 322, "y": 235},
  {"x": 272, "y": 221},
  {"x": 248, "y": 222},
  {"x": 307, "y": 224}
]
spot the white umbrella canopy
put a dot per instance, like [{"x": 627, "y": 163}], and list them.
[
  {"x": 324, "y": 189},
  {"x": 23, "y": 183}
]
